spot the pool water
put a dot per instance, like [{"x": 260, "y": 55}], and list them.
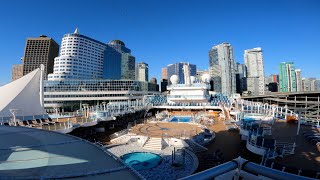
[
  {"x": 180, "y": 119},
  {"x": 253, "y": 116},
  {"x": 141, "y": 160}
]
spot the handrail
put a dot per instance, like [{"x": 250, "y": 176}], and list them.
[
  {"x": 213, "y": 172},
  {"x": 242, "y": 165},
  {"x": 271, "y": 173}
]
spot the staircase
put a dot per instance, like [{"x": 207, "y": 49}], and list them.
[
  {"x": 153, "y": 144},
  {"x": 120, "y": 140},
  {"x": 195, "y": 147}
]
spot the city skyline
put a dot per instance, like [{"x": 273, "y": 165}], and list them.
[{"x": 284, "y": 34}]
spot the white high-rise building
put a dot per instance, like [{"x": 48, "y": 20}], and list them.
[
  {"x": 299, "y": 80},
  {"x": 221, "y": 62},
  {"x": 80, "y": 57},
  {"x": 253, "y": 60},
  {"x": 142, "y": 71}
]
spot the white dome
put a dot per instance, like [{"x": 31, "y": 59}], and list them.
[
  {"x": 192, "y": 79},
  {"x": 205, "y": 78},
  {"x": 174, "y": 79}
]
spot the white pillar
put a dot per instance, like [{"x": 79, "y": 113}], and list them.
[
  {"x": 286, "y": 113},
  {"x": 299, "y": 122},
  {"x": 41, "y": 87}
]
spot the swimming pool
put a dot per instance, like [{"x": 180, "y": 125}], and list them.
[
  {"x": 257, "y": 117},
  {"x": 180, "y": 119},
  {"x": 141, "y": 160}
]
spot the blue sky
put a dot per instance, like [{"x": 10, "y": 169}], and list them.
[{"x": 161, "y": 32}]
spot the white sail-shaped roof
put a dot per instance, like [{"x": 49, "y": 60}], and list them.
[{"x": 22, "y": 94}]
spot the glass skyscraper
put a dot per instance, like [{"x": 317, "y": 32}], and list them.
[
  {"x": 118, "y": 61},
  {"x": 176, "y": 69},
  {"x": 221, "y": 62},
  {"x": 287, "y": 77}
]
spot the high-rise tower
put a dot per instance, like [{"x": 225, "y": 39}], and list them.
[
  {"x": 119, "y": 63},
  {"x": 142, "y": 71},
  {"x": 255, "y": 71},
  {"x": 80, "y": 57},
  {"x": 287, "y": 77},
  {"x": 299, "y": 80},
  {"x": 221, "y": 62},
  {"x": 40, "y": 50}
]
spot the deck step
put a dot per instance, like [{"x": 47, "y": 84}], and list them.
[
  {"x": 119, "y": 140},
  {"x": 153, "y": 144}
]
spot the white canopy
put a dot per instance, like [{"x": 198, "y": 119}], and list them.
[{"x": 24, "y": 95}]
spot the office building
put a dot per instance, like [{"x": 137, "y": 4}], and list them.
[
  {"x": 142, "y": 71},
  {"x": 253, "y": 60},
  {"x": 299, "y": 80},
  {"x": 17, "y": 71},
  {"x": 80, "y": 57},
  {"x": 241, "y": 77},
  {"x": 287, "y": 77},
  {"x": 177, "y": 69},
  {"x": 164, "y": 73},
  {"x": 221, "y": 63},
  {"x": 118, "y": 62},
  {"x": 40, "y": 50},
  {"x": 309, "y": 84}
]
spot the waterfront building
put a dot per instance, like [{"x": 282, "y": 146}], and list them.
[
  {"x": 40, "y": 50},
  {"x": 221, "y": 63},
  {"x": 80, "y": 57},
  {"x": 177, "y": 69},
  {"x": 287, "y": 77},
  {"x": 253, "y": 60},
  {"x": 17, "y": 71},
  {"x": 299, "y": 80},
  {"x": 70, "y": 94},
  {"x": 119, "y": 63},
  {"x": 142, "y": 71},
  {"x": 241, "y": 77}
]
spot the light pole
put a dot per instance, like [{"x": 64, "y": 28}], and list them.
[{"x": 13, "y": 112}]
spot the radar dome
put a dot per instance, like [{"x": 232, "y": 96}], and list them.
[
  {"x": 192, "y": 79},
  {"x": 205, "y": 78},
  {"x": 174, "y": 79}
]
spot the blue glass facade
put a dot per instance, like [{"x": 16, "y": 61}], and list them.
[
  {"x": 112, "y": 63},
  {"x": 118, "y": 62},
  {"x": 176, "y": 69}
]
